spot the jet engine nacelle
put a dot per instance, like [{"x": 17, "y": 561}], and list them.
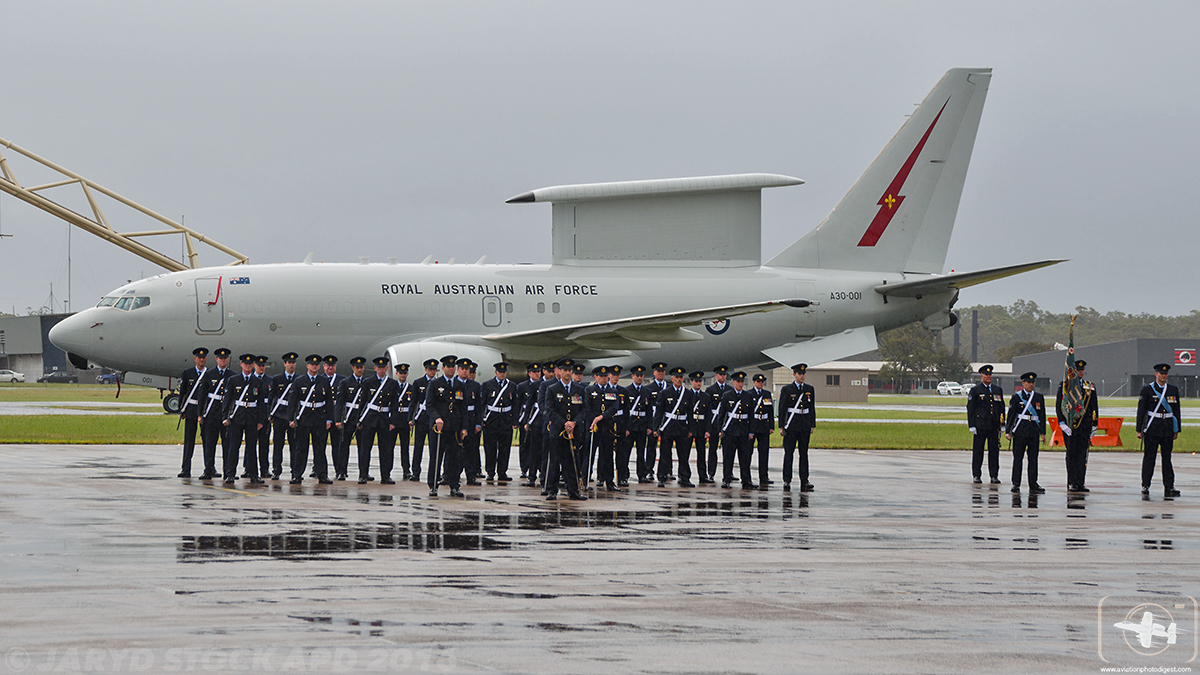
[
  {"x": 940, "y": 320},
  {"x": 416, "y": 353}
]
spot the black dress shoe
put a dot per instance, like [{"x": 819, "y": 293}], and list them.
[
  {"x": 491, "y": 479},
  {"x": 414, "y": 478},
  {"x": 995, "y": 481},
  {"x": 473, "y": 482},
  {"x": 977, "y": 480},
  {"x": 807, "y": 487},
  {"x": 362, "y": 481},
  {"x": 387, "y": 481},
  {"x": 370, "y": 478},
  {"x": 551, "y": 496},
  {"x": 764, "y": 487},
  {"x": 274, "y": 476},
  {"x": 726, "y": 485},
  {"x": 545, "y": 492},
  {"x": 257, "y": 480},
  {"x": 324, "y": 480},
  {"x": 578, "y": 496},
  {"x": 532, "y": 483},
  {"x": 1082, "y": 488},
  {"x": 1037, "y": 489},
  {"x": 686, "y": 483},
  {"x": 455, "y": 492},
  {"x": 229, "y": 481},
  {"x": 184, "y": 474},
  {"x": 1145, "y": 489},
  {"x": 245, "y": 475},
  {"x": 1171, "y": 492},
  {"x": 612, "y": 488},
  {"x": 294, "y": 481},
  {"x": 1016, "y": 489},
  {"x": 769, "y": 481},
  {"x": 503, "y": 478},
  {"x": 623, "y": 483},
  {"x": 749, "y": 486},
  {"x": 312, "y": 475},
  {"x": 433, "y": 493},
  {"x": 787, "y": 487},
  {"x": 645, "y": 480},
  {"x": 662, "y": 484}
]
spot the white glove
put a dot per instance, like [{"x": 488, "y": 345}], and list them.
[
  {"x": 1066, "y": 430},
  {"x": 972, "y": 430},
  {"x": 1093, "y": 433}
]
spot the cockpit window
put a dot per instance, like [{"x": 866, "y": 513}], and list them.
[
  {"x": 140, "y": 302},
  {"x": 124, "y": 302},
  {"x": 107, "y": 302}
]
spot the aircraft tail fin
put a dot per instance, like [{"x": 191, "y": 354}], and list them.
[{"x": 899, "y": 215}]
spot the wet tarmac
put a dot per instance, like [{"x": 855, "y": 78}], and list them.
[{"x": 894, "y": 564}]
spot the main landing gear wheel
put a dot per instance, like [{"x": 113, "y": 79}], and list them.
[{"x": 171, "y": 403}]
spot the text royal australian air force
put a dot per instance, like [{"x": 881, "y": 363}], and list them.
[{"x": 488, "y": 289}]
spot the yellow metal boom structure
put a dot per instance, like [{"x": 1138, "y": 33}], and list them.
[{"x": 98, "y": 224}]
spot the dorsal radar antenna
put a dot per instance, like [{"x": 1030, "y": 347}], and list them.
[{"x": 98, "y": 224}]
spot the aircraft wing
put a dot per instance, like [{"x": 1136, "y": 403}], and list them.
[
  {"x": 639, "y": 332},
  {"x": 942, "y": 283}
]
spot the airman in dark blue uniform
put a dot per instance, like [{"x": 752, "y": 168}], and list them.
[
  {"x": 985, "y": 419},
  {"x": 190, "y": 409},
  {"x": 1026, "y": 429},
  {"x": 797, "y": 419},
  {"x": 1158, "y": 426}
]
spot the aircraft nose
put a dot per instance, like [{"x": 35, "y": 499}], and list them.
[{"x": 72, "y": 334}]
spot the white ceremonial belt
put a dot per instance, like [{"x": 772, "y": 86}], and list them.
[
  {"x": 216, "y": 397},
  {"x": 192, "y": 401},
  {"x": 306, "y": 404},
  {"x": 1161, "y": 415},
  {"x": 494, "y": 408},
  {"x": 637, "y": 414},
  {"x": 672, "y": 416},
  {"x": 252, "y": 404},
  {"x": 760, "y": 416},
  {"x": 798, "y": 411},
  {"x": 470, "y": 407},
  {"x": 378, "y": 408},
  {"x": 1031, "y": 418},
  {"x": 351, "y": 406},
  {"x": 740, "y": 417},
  {"x": 404, "y": 410}
]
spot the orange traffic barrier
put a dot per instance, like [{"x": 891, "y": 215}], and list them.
[{"x": 1108, "y": 433}]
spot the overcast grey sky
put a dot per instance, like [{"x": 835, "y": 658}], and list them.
[{"x": 399, "y": 129}]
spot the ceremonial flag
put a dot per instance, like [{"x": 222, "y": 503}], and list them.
[{"x": 1072, "y": 384}]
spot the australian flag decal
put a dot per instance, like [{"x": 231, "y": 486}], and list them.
[{"x": 233, "y": 281}]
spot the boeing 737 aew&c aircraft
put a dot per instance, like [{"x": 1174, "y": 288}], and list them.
[{"x": 665, "y": 270}]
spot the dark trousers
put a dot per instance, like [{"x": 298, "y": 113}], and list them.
[
  {"x": 235, "y": 435},
  {"x": 401, "y": 441},
  {"x": 471, "y": 462},
  {"x": 334, "y": 439},
  {"x": 992, "y": 440},
  {"x": 306, "y": 436},
  {"x": 387, "y": 446},
  {"x": 1151, "y": 445},
  {"x": 444, "y": 449},
  {"x": 264, "y": 450},
  {"x": 607, "y": 451},
  {"x": 1022, "y": 447},
  {"x": 701, "y": 444},
  {"x": 646, "y": 446},
  {"x": 736, "y": 446},
  {"x": 713, "y": 443},
  {"x": 651, "y": 454},
  {"x": 497, "y": 446},
  {"x": 212, "y": 433},
  {"x": 421, "y": 432},
  {"x": 762, "y": 441},
  {"x": 1077, "y": 452},
  {"x": 564, "y": 467},
  {"x": 523, "y": 449},
  {"x": 283, "y": 432},
  {"x": 190, "y": 426},
  {"x": 796, "y": 442},
  {"x": 340, "y": 447},
  {"x": 624, "y": 450},
  {"x": 683, "y": 446},
  {"x": 536, "y": 439}
]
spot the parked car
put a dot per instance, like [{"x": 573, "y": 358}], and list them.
[
  {"x": 949, "y": 389},
  {"x": 59, "y": 377},
  {"x": 108, "y": 378},
  {"x": 11, "y": 376}
]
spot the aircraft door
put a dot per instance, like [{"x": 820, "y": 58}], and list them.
[
  {"x": 210, "y": 312},
  {"x": 492, "y": 311}
]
